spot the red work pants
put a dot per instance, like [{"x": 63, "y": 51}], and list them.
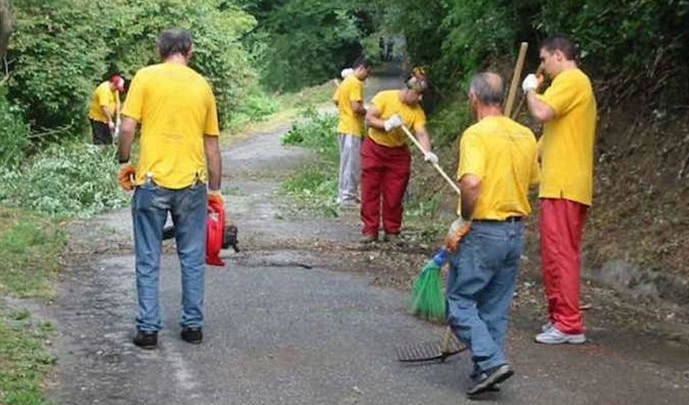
[
  {"x": 562, "y": 225},
  {"x": 384, "y": 173}
]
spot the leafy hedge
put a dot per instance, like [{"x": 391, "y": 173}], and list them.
[{"x": 62, "y": 49}]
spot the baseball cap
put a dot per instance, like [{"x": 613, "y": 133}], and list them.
[{"x": 118, "y": 82}]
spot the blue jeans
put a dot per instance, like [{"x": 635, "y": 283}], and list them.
[
  {"x": 188, "y": 208},
  {"x": 480, "y": 286}
]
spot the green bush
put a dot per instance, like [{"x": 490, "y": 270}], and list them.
[
  {"x": 58, "y": 58},
  {"x": 68, "y": 179},
  {"x": 14, "y": 136},
  {"x": 317, "y": 132},
  {"x": 315, "y": 187},
  {"x": 257, "y": 106},
  {"x": 62, "y": 49}
]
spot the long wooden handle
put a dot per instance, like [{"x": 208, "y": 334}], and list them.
[
  {"x": 515, "y": 78},
  {"x": 435, "y": 165}
]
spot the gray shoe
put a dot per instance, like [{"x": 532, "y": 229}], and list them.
[
  {"x": 349, "y": 205},
  {"x": 554, "y": 337}
]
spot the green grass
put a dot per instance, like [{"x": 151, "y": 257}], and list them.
[
  {"x": 314, "y": 188},
  {"x": 30, "y": 246},
  {"x": 24, "y": 362}
]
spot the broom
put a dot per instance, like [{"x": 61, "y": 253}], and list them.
[{"x": 427, "y": 297}]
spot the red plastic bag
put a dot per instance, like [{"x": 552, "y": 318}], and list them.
[{"x": 215, "y": 227}]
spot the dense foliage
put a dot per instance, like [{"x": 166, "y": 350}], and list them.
[
  {"x": 640, "y": 43},
  {"x": 62, "y": 49},
  {"x": 305, "y": 42}
]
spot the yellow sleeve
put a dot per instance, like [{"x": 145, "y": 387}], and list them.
[
  {"x": 379, "y": 101},
  {"x": 419, "y": 119},
  {"x": 560, "y": 96},
  {"x": 211, "y": 127},
  {"x": 356, "y": 91},
  {"x": 471, "y": 156},
  {"x": 134, "y": 104},
  {"x": 103, "y": 96}
]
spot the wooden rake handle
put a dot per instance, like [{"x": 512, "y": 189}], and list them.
[
  {"x": 515, "y": 78},
  {"x": 435, "y": 165}
]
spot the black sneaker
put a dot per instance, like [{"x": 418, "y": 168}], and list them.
[
  {"x": 480, "y": 376},
  {"x": 192, "y": 335},
  {"x": 146, "y": 340},
  {"x": 490, "y": 378}
]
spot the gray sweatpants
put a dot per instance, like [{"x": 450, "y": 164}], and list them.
[{"x": 350, "y": 167}]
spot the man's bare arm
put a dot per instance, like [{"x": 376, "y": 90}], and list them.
[
  {"x": 214, "y": 161},
  {"x": 470, "y": 185}
]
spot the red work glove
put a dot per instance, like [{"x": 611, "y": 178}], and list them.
[
  {"x": 458, "y": 229},
  {"x": 126, "y": 176}
]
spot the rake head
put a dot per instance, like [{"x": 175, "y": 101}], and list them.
[{"x": 429, "y": 351}]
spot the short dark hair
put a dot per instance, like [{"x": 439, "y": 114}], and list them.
[
  {"x": 488, "y": 88},
  {"x": 361, "y": 61},
  {"x": 561, "y": 43},
  {"x": 174, "y": 41}
]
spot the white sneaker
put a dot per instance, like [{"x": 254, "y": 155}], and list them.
[
  {"x": 546, "y": 326},
  {"x": 554, "y": 337}
]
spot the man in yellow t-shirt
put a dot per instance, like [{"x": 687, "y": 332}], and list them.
[
  {"x": 567, "y": 110},
  {"x": 105, "y": 110},
  {"x": 385, "y": 158},
  {"x": 349, "y": 98},
  {"x": 179, "y": 153},
  {"x": 497, "y": 165}
]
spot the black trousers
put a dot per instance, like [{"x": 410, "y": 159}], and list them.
[{"x": 101, "y": 133}]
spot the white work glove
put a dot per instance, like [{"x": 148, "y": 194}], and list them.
[
  {"x": 431, "y": 158},
  {"x": 393, "y": 122},
  {"x": 111, "y": 125},
  {"x": 530, "y": 83}
]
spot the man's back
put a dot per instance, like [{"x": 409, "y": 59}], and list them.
[
  {"x": 176, "y": 107},
  {"x": 503, "y": 154}
]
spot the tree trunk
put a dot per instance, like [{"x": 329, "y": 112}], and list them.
[{"x": 5, "y": 26}]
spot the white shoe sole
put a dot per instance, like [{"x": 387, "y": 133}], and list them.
[{"x": 571, "y": 339}]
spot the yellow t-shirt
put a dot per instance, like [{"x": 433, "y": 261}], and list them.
[
  {"x": 351, "y": 89},
  {"x": 389, "y": 103},
  {"x": 567, "y": 142},
  {"x": 176, "y": 108},
  {"x": 503, "y": 154},
  {"x": 103, "y": 97}
]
